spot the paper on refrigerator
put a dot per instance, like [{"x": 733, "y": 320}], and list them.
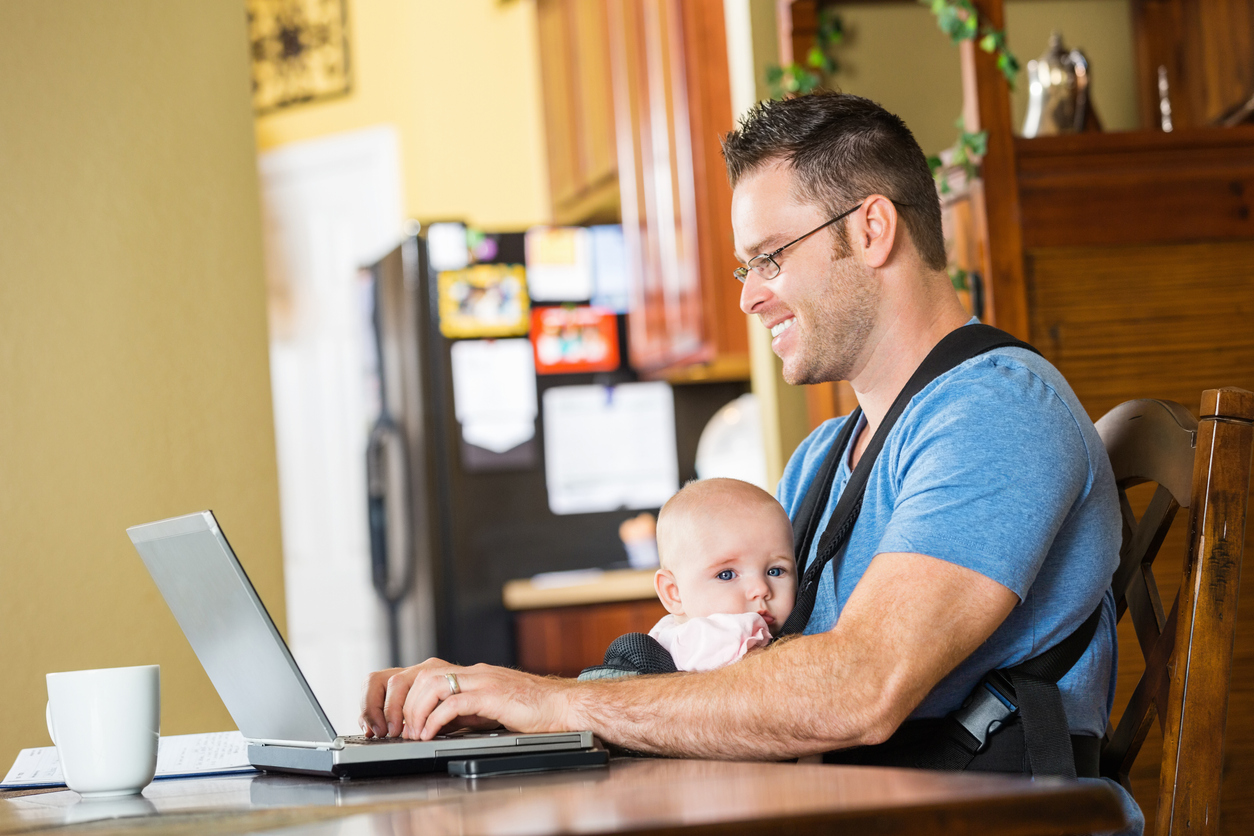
[
  {"x": 609, "y": 447},
  {"x": 494, "y": 392},
  {"x": 611, "y": 285},
  {"x": 559, "y": 263}
]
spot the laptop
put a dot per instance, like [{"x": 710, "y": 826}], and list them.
[{"x": 262, "y": 686}]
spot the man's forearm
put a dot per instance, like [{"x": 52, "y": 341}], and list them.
[
  {"x": 792, "y": 700},
  {"x": 910, "y": 621}
]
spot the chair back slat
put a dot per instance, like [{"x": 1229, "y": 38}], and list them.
[
  {"x": 1143, "y": 540},
  {"x": 1197, "y": 707},
  {"x": 1146, "y": 610},
  {"x": 1151, "y": 441},
  {"x": 1205, "y": 467},
  {"x": 1147, "y": 441},
  {"x": 1124, "y": 744}
]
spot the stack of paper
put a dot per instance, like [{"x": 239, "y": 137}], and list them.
[{"x": 178, "y": 756}]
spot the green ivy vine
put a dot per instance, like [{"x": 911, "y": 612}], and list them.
[
  {"x": 956, "y": 18},
  {"x": 797, "y": 80},
  {"x": 961, "y": 22}
]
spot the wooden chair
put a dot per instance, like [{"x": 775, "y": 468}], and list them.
[{"x": 1205, "y": 467}]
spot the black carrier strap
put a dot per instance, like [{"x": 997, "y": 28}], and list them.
[
  {"x": 1025, "y": 700},
  {"x": 1025, "y": 697}
]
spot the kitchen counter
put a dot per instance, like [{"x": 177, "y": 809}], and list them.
[
  {"x": 564, "y": 620},
  {"x": 579, "y": 588}
]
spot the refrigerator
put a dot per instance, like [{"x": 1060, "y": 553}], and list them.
[{"x": 450, "y": 522}]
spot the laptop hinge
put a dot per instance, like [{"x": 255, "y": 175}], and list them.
[{"x": 338, "y": 743}]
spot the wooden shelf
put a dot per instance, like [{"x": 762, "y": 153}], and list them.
[
  {"x": 1137, "y": 187},
  {"x": 616, "y": 585}
]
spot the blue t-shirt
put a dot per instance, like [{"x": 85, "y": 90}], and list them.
[{"x": 996, "y": 467}]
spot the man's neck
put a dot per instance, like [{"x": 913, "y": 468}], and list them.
[{"x": 893, "y": 354}]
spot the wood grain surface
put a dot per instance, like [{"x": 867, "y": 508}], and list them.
[
  {"x": 631, "y": 795},
  {"x": 1162, "y": 321},
  {"x": 562, "y": 641},
  {"x": 1136, "y": 188},
  {"x": 1193, "y": 734}
]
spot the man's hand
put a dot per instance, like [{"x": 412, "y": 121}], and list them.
[{"x": 418, "y": 702}]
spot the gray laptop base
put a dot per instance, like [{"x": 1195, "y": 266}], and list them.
[
  {"x": 260, "y": 683},
  {"x": 364, "y": 761}
]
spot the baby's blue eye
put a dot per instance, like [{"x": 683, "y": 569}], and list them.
[
  {"x": 775, "y": 571},
  {"x": 726, "y": 575}
]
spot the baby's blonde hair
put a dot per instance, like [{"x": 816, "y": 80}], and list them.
[{"x": 696, "y": 496}]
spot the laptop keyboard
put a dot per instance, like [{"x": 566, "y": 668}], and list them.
[{"x": 361, "y": 738}]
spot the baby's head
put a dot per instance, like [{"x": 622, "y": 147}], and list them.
[{"x": 725, "y": 547}]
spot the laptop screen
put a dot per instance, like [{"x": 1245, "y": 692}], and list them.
[{"x": 229, "y": 629}]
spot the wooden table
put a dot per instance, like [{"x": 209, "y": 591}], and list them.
[{"x": 631, "y": 795}]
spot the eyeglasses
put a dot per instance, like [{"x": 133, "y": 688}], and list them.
[{"x": 767, "y": 267}]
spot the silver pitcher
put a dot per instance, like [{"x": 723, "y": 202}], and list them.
[{"x": 1058, "y": 89}]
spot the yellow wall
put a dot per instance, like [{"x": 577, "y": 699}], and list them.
[
  {"x": 134, "y": 377},
  {"x": 895, "y": 54},
  {"x": 461, "y": 82}
]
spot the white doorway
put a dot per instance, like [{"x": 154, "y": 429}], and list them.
[{"x": 330, "y": 207}]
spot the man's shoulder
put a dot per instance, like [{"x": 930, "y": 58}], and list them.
[
  {"x": 1007, "y": 411},
  {"x": 1006, "y": 385}
]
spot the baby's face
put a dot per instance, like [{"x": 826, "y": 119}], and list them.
[{"x": 736, "y": 563}]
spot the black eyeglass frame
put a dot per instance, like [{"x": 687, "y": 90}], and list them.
[{"x": 742, "y": 273}]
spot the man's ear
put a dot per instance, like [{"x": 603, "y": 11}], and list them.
[
  {"x": 668, "y": 591},
  {"x": 878, "y": 233}
]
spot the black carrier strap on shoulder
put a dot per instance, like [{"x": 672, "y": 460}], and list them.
[{"x": 1024, "y": 697}]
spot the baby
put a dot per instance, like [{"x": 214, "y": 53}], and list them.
[{"x": 728, "y": 578}]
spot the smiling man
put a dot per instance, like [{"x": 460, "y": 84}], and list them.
[{"x": 988, "y": 530}]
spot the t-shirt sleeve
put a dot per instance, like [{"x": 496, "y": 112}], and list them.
[{"x": 986, "y": 473}]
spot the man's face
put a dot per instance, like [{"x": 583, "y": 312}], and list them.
[
  {"x": 822, "y": 305},
  {"x": 737, "y": 560}
]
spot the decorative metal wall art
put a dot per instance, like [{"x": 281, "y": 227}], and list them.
[{"x": 299, "y": 51}]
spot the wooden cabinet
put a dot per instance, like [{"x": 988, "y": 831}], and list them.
[
  {"x": 672, "y": 102},
  {"x": 1205, "y": 49},
  {"x": 562, "y": 641},
  {"x": 636, "y": 97},
  {"x": 579, "y": 110}
]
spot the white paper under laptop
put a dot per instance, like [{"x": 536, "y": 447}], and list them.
[{"x": 260, "y": 683}]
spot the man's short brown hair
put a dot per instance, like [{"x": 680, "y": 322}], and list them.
[{"x": 842, "y": 149}]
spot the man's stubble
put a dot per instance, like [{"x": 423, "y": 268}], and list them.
[{"x": 835, "y": 322}]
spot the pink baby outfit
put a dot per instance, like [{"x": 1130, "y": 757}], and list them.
[{"x": 703, "y": 644}]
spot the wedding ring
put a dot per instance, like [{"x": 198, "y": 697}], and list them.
[{"x": 453, "y": 687}]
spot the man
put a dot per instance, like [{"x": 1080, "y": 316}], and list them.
[{"x": 989, "y": 529}]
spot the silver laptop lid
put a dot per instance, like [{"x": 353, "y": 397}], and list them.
[{"x": 228, "y": 627}]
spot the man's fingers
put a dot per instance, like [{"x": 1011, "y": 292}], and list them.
[
  {"x": 424, "y": 695},
  {"x": 372, "y": 720},
  {"x": 448, "y": 711},
  {"x": 398, "y": 685}
]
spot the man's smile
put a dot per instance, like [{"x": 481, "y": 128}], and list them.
[{"x": 780, "y": 327}]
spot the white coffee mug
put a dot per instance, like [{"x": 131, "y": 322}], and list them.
[{"x": 105, "y": 724}]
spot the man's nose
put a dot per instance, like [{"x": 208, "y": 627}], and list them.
[{"x": 753, "y": 293}]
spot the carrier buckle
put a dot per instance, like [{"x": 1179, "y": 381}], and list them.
[{"x": 987, "y": 709}]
